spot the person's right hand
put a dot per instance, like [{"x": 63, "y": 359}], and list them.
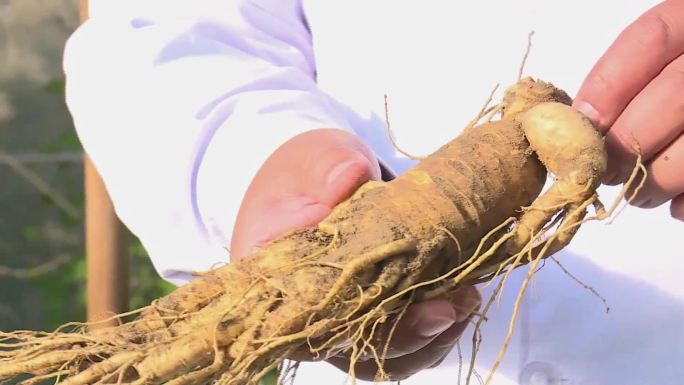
[
  {"x": 634, "y": 94},
  {"x": 298, "y": 186}
]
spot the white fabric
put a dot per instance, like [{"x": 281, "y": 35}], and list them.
[{"x": 179, "y": 102}]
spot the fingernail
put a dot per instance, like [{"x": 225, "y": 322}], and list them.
[
  {"x": 431, "y": 326},
  {"x": 589, "y": 111},
  {"x": 465, "y": 301},
  {"x": 466, "y": 308},
  {"x": 343, "y": 167}
]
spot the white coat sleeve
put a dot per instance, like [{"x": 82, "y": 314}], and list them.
[{"x": 178, "y": 103}]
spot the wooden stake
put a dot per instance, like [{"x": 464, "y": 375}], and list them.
[{"x": 106, "y": 244}]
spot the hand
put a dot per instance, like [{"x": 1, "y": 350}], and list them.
[
  {"x": 298, "y": 186},
  {"x": 635, "y": 94}
]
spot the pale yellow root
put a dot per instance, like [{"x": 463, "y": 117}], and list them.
[
  {"x": 450, "y": 221},
  {"x": 390, "y": 135}
]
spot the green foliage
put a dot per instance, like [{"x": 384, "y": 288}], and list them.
[
  {"x": 63, "y": 289},
  {"x": 271, "y": 378},
  {"x": 145, "y": 284},
  {"x": 30, "y": 233},
  {"x": 59, "y": 296},
  {"x": 66, "y": 142},
  {"x": 56, "y": 86},
  {"x": 63, "y": 292}
]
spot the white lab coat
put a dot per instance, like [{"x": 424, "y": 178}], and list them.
[{"x": 178, "y": 102}]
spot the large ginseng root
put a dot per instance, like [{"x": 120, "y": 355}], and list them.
[{"x": 464, "y": 214}]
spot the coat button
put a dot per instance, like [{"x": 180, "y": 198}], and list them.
[{"x": 540, "y": 373}]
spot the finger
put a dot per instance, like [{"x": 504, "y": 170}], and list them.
[
  {"x": 677, "y": 207},
  {"x": 299, "y": 184},
  {"x": 405, "y": 366},
  {"x": 637, "y": 56},
  {"x": 650, "y": 123},
  {"x": 425, "y": 321},
  {"x": 664, "y": 177},
  {"x": 422, "y": 323},
  {"x": 429, "y": 356},
  {"x": 422, "y": 337}
]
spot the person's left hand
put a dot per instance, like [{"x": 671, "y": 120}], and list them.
[
  {"x": 635, "y": 95},
  {"x": 298, "y": 186}
]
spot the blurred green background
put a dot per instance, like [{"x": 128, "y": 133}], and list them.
[{"x": 37, "y": 139}]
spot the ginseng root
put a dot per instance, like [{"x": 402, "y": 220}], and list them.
[{"x": 463, "y": 215}]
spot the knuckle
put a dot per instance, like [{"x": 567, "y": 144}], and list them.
[
  {"x": 673, "y": 75},
  {"x": 601, "y": 83},
  {"x": 652, "y": 30}
]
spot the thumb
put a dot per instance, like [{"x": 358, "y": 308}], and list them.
[{"x": 299, "y": 184}]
